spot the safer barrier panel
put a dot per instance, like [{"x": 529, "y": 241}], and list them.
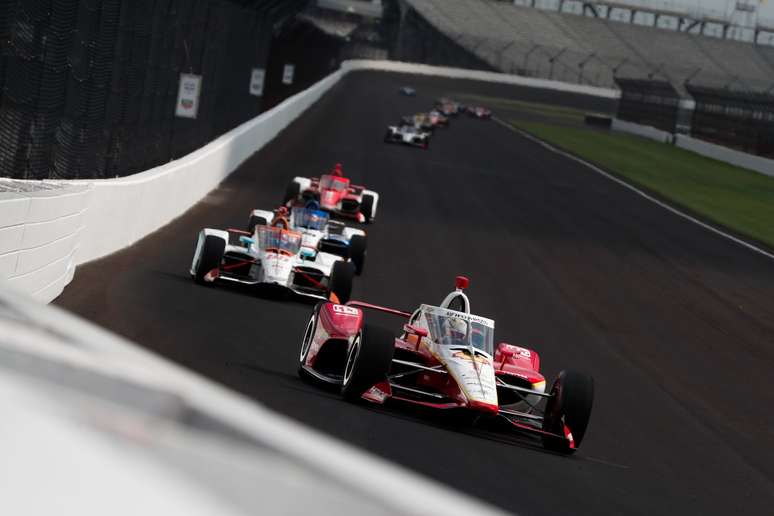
[{"x": 40, "y": 232}]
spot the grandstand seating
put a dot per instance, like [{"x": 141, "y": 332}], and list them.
[{"x": 591, "y": 50}]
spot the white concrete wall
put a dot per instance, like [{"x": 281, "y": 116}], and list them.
[
  {"x": 733, "y": 157},
  {"x": 645, "y": 131},
  {"x": 40, "y": 233},
  {"x": 720, "y": 153},
  {"x": 44, "y": 235},
  {"x": 477, "y": 75}
]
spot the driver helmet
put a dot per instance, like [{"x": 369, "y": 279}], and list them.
[
  {"x": 312, "y": 205},
  {"x": 456, "y": 328},
  {"x": 282, "y": 211},
  {"x": 477, "y": 337},
  {"x": 338, "y": 170}
]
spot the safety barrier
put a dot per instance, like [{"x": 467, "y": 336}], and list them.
[
  {"x": 645, "y": 131},
  {"x": 44, "y": 235},
  {"x": 717, "y": 152},
  {"x": 734, "y": 157},
  {"x": 39, "y": 235}
]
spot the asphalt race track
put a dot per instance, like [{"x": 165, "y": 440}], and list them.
[{"x": 675, "y": 323}]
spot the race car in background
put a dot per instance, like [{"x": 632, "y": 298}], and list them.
[
  {"x": 479, "y": 112},
  {"x": 438, "y": 119},
  {"x": 449, "y": 107},
  {"x": 443, "y": 357},
  {"x": 408, "y": 91},
  {"x": 336, "y": 194},
  {"x": 318, "y": 232},
  {"x": 272, "y": 256},
  {"x": 420, "y": 121},
  {"x": 407, "y": 135}
]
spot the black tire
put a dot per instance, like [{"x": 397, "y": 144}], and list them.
[
  {"x": 367, "y": 208},
  {"x": 256, "y": 221},
  {"x": 306, "y": 341},
  {"x": 570, "y": 404},
  {"x": 341, "y": 280},
  {"x": 357, "y": 252},
  {"x": 292, "y": 191},
  {"x": 368, "y": 361},
  {"x": 212, "y": 253}
]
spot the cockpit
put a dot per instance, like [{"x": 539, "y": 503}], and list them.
[
  {"x": 329, "y": 182},
  {"x": 310, "y": 218},
  {"x": 452, "y": 328}
]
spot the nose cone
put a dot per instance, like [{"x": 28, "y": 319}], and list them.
[
  {"x": 276, "y": 269},
  {"x": 483, "y": 406}
]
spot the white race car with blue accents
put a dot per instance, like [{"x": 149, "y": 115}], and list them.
[
  {"x": 272, "y": 256},
  {"x": 320, "y": 233}
]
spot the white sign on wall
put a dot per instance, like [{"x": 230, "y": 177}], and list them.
[
  {"x": 256, "y": 81},
  {"x": 188, "y": 95},
  {"x": 287, "y": 74}
]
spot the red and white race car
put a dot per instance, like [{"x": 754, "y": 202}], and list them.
[
  {"x": 336, "y": 194},
  {"x": 444, "y": 357},
  {"x": 479, "y": 112}
]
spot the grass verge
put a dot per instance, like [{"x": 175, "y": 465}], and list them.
[{"x": 736, "y": 198}]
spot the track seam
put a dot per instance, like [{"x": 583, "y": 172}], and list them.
[{"x": 634, "y": 189}]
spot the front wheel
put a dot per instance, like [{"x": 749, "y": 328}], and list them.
[
  {"x": 291, "y": 192},
  {"x": 357, "y": 252},
  {"x": 306, "y": 342},
  {"x": 256, "y": 221},
  {"x": 568, "y": 411},
  {"x": 341, "y": 280},
  {"x": 368, "y": 361},
  {"x": 367, "y": 208},
  {"x": 211, "y": 255}
]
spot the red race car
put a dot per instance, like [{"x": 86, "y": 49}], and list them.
[
  {"x": 479, "y": 112},
  {"x": 444, "y": 357},
  {"x": 336, "y": 194}
]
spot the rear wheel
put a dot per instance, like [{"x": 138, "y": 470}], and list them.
[
  {"x": 256, "y": 221},
  {"x": 210, "y": 257},
  {"x": 367, "y": 207},
  {"x": 341, "y": 280},
  {"x": 292, "y": 191},
  {"x": 368, "y": 361},
  {"x": 357, "y": 252},
  {"x": 568, "y": 411}
]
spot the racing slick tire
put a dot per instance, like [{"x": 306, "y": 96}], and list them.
[
  {"x": 292, "y": 191},
  {"x": 368, "y": 361},
  {"x": 256, "y": 221},
  {"x": 357, "y": 252},
  {"x": 341, "y": 280},
  {"x": 367, "y": 208},
  {"x": 212, "y": 253},
  {"x": 572, "y": 397},
  {"x": 306, "y": 342}
]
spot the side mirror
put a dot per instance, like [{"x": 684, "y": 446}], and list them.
[
  {"x": 415, "y": 330},
  {"x": 247, "y": 241}
]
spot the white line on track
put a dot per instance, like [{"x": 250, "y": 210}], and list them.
[{"x": 634, "y": 189}]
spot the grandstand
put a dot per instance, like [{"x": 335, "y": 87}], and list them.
[{"x": 594, "y": 50}]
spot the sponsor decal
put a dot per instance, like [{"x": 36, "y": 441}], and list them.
[
  {"x": 256, "y": 81},
  {"x": 188, "y": 95},
  {"x": 445, "y": 312},
  {"x": 345, "y": 310},
  {"x": 287, "y": 74}
]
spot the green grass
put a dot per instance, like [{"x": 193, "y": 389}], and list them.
[{"x": 736, "y": 198}]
